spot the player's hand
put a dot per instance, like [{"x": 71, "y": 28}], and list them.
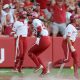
[
  {"x": 12, "y": 33},
  {"x": 37, "y": 41},
  {"x": 72, "y": 48},
  {"x": 15, "y": 36}
]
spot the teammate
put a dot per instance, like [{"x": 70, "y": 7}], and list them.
[
  {"x": 68, "y": 45},
  {"x": 41, "y": 44},
  {"x": 69, "y": 40},
  {"x": 20, "y": 28}
]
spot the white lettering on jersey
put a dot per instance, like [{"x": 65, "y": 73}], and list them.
[{"x": 2, "y": 55}]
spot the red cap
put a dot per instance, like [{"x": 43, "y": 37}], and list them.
[
  {"x": 59, "y": 0},
  {"x": 74, "y": 17}
]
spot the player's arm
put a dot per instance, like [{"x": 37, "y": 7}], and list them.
[
  {"x": 39, "y": 31},
  {"x": 38, "y": 35},
  {"x": 14, "y": 29},
  {"x": 69, "y": 41},
  {"x": 70, "y": 44}
]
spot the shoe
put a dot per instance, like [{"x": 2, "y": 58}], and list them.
[
  {"x": 44, "y": 72},
  {"x": 15, "y": 70},
  {"x": 36, "y": 70},
  {"x": 76, "y": 76},
  {"x": 19, "y": 70}
]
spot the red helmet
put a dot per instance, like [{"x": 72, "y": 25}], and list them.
[{"x": 73, "y": 18}]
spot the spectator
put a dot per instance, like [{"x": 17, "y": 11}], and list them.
[
  {"x": 43, "y": 6},
  {"x": 28, "y": 4},
  {"x": 7, "y": 2},
  {"x": 43, "y": 3},
  {"x": 0, "y": 18},
  {"x": 7, "y": 25},
  {"x": 7, "y": 10},
  {"x": 58, "y": 17}
]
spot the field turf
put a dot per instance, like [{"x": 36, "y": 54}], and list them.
[{"x": 28, "y": 74}]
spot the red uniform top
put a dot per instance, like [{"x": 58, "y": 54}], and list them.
[
  {"x": 43, "y": 3},
  {"x": 59, "y": 13},
  {"x": 6, "y": 2},
  {"x": 42, "y": 14},
  {"x": 28, "y": 4},
  {"x": 8, "y": 29}
]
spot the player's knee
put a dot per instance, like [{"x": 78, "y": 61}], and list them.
[
  {"x": 30, "y": 54},
  {"x": 76, "y": 62}
]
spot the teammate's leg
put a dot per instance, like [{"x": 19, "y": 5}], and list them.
[
  {"x": 44, "y": 69},
  {"x": 34, "y": 58},
  {"x": 67, "y": 54},
  {"x": 23, "y": 50},
  {"x": 75, "y": 64},
  {"x": 16, "y": 63}
]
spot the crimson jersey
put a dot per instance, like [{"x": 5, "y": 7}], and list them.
[
  {"x": 43, "y": 3},
  {"x": 8, "y": 29},
  {"x": 6, "y": 2}
]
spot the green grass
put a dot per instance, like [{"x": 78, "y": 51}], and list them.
[
  {"x": 7, "y": 74},
  {"x": 28, "y": 71}
]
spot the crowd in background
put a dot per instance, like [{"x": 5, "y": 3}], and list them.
[{"x": 55, "y": 14}]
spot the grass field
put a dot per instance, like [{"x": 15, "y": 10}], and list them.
[{"x": 28, "y": 74}]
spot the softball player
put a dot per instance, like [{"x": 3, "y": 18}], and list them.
[
  {"x": 69, "y": 40},
  {"x": 20, "y": 28},
  {"x": 68, "y": 45},
  {"x": 41, "y": 44}
]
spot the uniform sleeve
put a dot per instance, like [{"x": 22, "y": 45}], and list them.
[
  {"x": 16, "y": 26},
  {"x": 37, "y": 24},
  {"x": 69, "y": 30}
]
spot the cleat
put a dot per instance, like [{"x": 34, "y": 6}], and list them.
[
  {"x": 19, "y": 70},
  {"x": 44, "y": 72},
  {"x": 15, "y": 70},
  {"x": 41, "y": 67},
  {"x": 74, "y": 78}
]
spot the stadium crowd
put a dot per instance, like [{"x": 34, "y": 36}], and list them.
[{"x": 55, "y": 17}]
